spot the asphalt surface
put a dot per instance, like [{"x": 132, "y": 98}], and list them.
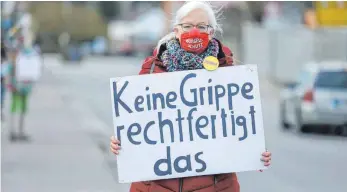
[
  {"x": 301, "y": 163},
  {"x": 62, "y": 153}
]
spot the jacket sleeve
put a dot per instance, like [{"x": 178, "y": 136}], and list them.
[
  {"x": 236, "y": 184},
  {"x": 229, "y": 56},
  {"x": 147, "y": 65}
]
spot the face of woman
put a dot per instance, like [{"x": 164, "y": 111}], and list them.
[{"x": 197, "y": 18}]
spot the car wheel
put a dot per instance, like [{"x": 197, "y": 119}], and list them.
[
  {"x": 129, "y": 53},
  {"x": 299, "y": 127},
  {"x": 344, "y": 131},
  {"x": 284, "y": 123}
]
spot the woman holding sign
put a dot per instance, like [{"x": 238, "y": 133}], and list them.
[{"x": 190, "y": 46}]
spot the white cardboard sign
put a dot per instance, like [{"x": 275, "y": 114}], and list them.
[
  {"x": 28, "y": 67},
  {"x": 188, "y": 123}
]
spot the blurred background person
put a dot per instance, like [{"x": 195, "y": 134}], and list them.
[
  {"x": 20, "y": 47},
  {"x": 20, "y": 91}
]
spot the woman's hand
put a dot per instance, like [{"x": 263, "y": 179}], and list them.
[
  {"x": 266, "y": 158},
  {"x": 114, "y": 145}
]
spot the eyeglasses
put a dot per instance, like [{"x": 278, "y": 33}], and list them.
[{"x": 201, "y": 27}]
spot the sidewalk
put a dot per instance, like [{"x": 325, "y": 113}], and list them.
[{"x": 61, "y": 156}]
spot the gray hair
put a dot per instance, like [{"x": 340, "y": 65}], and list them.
[{"x": 213, "y": 16}]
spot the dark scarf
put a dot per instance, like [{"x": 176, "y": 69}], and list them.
[{"x": 177, "y": 59}]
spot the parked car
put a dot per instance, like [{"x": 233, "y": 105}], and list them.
[
  {"x": 139, "y": 36},
  {"x": 144, "y": 38},
  {"x": 72, "y": 53},
  {"x": 119, "y": 34},
  {"x": 99, "y": 45},
  {"x": 317, "y": 99}
]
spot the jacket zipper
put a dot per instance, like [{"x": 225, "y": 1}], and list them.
[{"x": 181, "y": 185}]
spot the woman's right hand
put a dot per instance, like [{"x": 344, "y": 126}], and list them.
[{"x": 114, "y": 145}]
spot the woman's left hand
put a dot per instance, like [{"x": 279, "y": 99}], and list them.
[{"x": 266, "y": 158}]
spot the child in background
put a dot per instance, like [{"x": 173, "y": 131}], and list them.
[
  {"x": 20, "y": 84},
  {"x": 20, "y": 92}
]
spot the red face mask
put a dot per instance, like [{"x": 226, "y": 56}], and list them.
[{"x": 194, "y": 41}]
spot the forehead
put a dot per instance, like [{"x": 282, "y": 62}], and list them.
[{"x": 195, "y": 17}]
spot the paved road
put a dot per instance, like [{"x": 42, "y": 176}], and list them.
[
  {"x": 62, "y": 154},
  {"x": 301, "y": 163}
]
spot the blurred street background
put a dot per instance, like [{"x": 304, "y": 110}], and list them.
[{"x": 86, "y": 43}]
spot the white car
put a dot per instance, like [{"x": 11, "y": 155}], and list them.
[
  {"x": 319, "y": 98},
  {"x": 119, "y": 34},
  {"x": 147, "y": 30}
]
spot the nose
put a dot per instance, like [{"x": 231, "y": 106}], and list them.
[{"x": 194, "y": 31}]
